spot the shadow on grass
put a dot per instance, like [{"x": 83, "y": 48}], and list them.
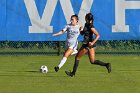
[
  {"x": 30, "y": 73},
  {"x": 127, "y": 70}
]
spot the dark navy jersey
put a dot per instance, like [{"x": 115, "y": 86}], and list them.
[{"x": 88, "y": 34}]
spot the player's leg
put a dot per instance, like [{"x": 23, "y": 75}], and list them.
[
  {"x": 75, "y": 51},
  {"x": 64, "y": 59},
  {"x": 91, "y": 54},
  {"x": 80, "y": 53},
  {"x": 71, "y": 47}
]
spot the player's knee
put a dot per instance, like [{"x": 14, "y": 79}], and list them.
[{"x": 77, "y": 57}]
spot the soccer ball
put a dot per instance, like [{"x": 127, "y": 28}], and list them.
[{"x": 43, "y": 69}]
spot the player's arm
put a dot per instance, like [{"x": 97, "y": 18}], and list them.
[
  {"x": 58, "y": 33},
  {"x": 61, "y": 32},
  {"x": 97, "y": 36},
  {"x": 81, "y": 30}
]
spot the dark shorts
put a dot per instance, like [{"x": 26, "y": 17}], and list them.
[{"x": 87, "y": 47}]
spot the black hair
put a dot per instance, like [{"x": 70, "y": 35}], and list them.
[
  {"x": 76, "y": 16},
  {"x": 89, "y": 17}
]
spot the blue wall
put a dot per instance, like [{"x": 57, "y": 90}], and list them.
[{"x": 15, "y": 21}]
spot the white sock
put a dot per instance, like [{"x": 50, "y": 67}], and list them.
[{"x": 62, "y": 62}]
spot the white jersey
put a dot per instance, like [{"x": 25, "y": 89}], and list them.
[{"x": 72, "y": 35}]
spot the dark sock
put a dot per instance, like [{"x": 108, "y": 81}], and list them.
[
  {"x": 98, "y": 62},
  {"x": 75, "y": 66}
]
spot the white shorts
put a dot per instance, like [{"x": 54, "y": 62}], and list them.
[{"x": 72, "y": 45}]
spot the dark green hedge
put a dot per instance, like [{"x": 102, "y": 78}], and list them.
[{"x": 102, "y": 45}]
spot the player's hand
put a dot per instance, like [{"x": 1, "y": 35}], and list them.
[
  {"x": 90, "y": 44},
  {"x": 81, "y": 28},
  {"x": 53, "y": 34}
]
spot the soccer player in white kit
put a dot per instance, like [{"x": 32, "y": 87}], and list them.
[{"x": 73, "y": 31}]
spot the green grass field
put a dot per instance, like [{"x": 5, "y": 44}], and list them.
[{"x": 20, "y": 74}]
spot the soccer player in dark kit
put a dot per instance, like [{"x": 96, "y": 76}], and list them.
[{"x": 88, "y": 46}]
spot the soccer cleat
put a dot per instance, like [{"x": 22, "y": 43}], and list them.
[
  {"x": 70, "y": 73},
  {"x": 108, "y": 66},
  {"x": 56, "y": 69}
]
